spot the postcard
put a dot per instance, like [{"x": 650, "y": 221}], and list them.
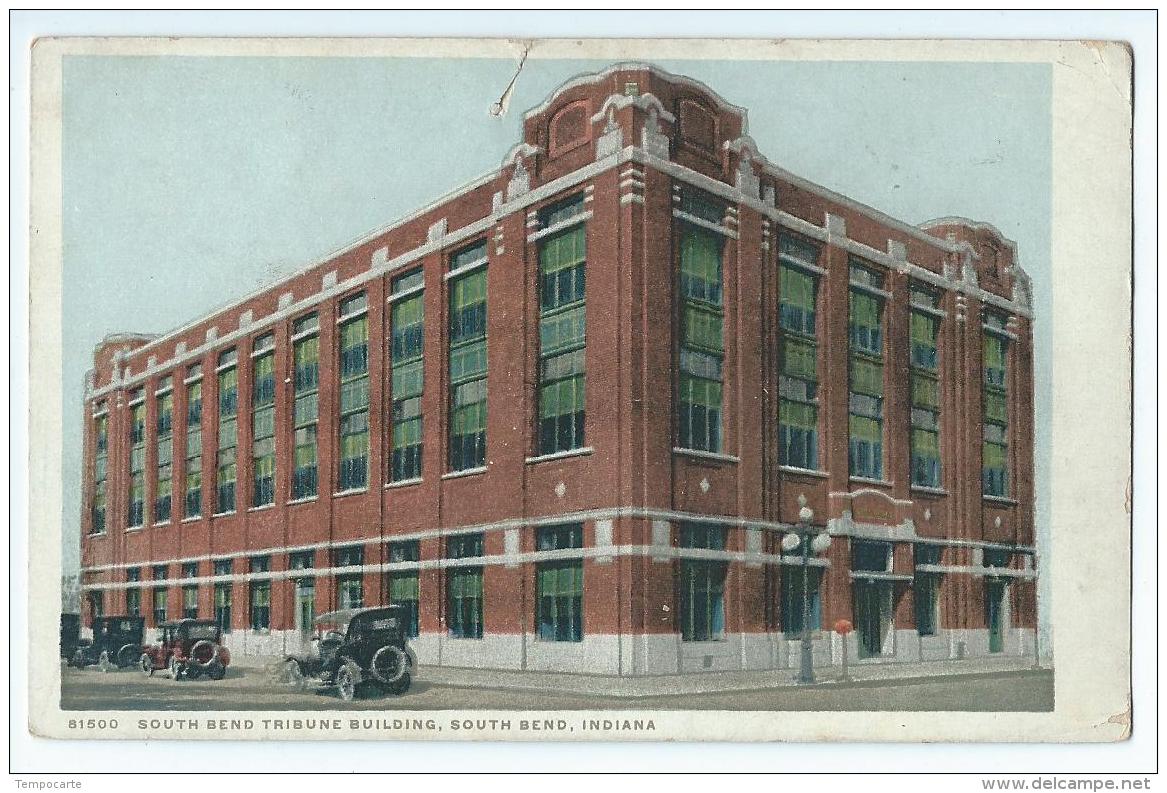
[{"x": 630, "y": 390}]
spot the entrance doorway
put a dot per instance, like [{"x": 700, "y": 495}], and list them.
[
  {"x": 872, "y": 615},
  {"x": 995, "y": 614},
  {"x": 305, "y": 605}
]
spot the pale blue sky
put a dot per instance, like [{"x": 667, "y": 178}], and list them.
[{"x": 189, "y": 181}]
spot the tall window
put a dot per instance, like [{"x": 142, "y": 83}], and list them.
[
  {"x": 702, "y": 585},
  {"x": 159, "y": 610},
  {"x": 228, "y": 431},
  {"x": 305, "y": 594},
  {"x": 924, "y": 329},
  {"x": 926, "y": 590},
  {"x": 866, "y": 373},
  {"x": 559, "y": 586},
  {"x": 190, "y": 602},
  {"x": 995, "y": 451},
  {"x": 407, "y": 373},
  {"x": 350, "y": 588},
  {"x": 164, "y": 403},
  {"x": 562, "y": 266},
  {"x": 354, "y": 394},
  {"x": 702, "y": 349},
  {"x": 306, "y": 408},
  {"x": 798, "y": 437},
  {"x": 135, "y": 514},
  {"x": 260, "y": 594},
  {"x": 222, "y": 567},
  {"x": 468, "y": 359},
  {"x": 464, "y": 588},
  {"x": 133, "y": 593},
  {"x": 193, "y": 505},
  {"x": 100, "y": 472},
  {"x": 263, "y": 421},
  {"x": 792, "y": 599},
  {"x": 403, "y": 584}
]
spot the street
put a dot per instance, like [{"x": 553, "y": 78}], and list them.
[{"x": 251, "y": 689}]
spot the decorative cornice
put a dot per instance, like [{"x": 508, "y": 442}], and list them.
[{"x": 645, "y": 102}]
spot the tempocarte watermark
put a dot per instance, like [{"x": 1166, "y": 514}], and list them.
[{"x": 47, "y": 784}]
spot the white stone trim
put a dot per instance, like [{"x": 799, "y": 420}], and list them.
[
  {"x": 704, "y": 455},
  {"x": 703, "y": 223},
  {"x": 580, "y": 452},
  {"x": 574, "y": 220}
]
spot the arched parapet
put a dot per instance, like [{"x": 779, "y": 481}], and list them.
[{"x": 987, "y": 258}]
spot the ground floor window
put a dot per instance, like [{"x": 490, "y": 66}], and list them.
[
  {"x": 403, "y": 591},
  {"x": 134, "y": 602},
  {"x": 792, "y": 599},
  {"x": 223, "y": 607},
  {"x": 927, "y": 603},
  {"x": 96, "y": 604},
  {"x": 464, "y": 619},
  {"x": 190, "y": 602},
  {"x": 159, "y": 606},
  {"x": 260, "y": 605},
  {"x": 305, "y": 604},
  {"x": 702, "y": 585},
  {"x": 350, "y": 592}
]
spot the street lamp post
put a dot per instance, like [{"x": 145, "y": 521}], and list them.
[{"x": 810, "y": 540}]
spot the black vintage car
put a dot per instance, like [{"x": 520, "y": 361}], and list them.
[
  {"x": 116, "y": 643},
  {"x": 70, "y": 635},
  {"x": 353, "y": 651}
]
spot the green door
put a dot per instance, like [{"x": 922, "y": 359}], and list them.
[
  {"x": 305, "y": 604},
  {"x": 994, "y": 614}
]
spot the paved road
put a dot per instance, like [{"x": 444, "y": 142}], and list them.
[{"x": 250, "y": 689}]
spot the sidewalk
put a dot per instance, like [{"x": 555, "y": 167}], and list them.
[{"x": 712, "y": 682}]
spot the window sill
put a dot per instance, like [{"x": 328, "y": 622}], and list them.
[
  {"x": 222, "y": 514},
  {"x": 261, "y": 508},
  {"x": 704, "y": 455},
  {"x": 1002, "y": 500},
  {"x": 191, "y": 519},
  {"x": 350, "y": 492},
  {"x": 864, "y": 480},
  {"x": 467, "y": 472},
  {"x": 160, "y": 525},
  {"x": 580, "y": 452},
  {"x": 97, "y": 535},
  {"x": 934, "y": 491},
  {"x": 794, "y": 469},
  {"x": 403, "y": 483},
  {"x": 305, "y": 500},
  {"x": 132, "y": 529}
]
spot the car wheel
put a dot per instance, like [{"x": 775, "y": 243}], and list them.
[
  {"x": 175, "y": 668},
  {"x": 346, "y": 682},
  {"x": 401, "y": 685},
  {"x": 125, "y": 656},
  {"x": 146, "y": 664},
  {"x": 217, "y": 671}
]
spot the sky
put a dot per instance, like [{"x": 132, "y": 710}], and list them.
[{"x": 190, "y": 181}]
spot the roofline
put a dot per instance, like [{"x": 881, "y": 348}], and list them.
[
  {"x": 957, "y": 220},
  {"x": 590, "y": 78}
]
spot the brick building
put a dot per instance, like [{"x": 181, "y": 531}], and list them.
[{"x": 570, "y": 410}]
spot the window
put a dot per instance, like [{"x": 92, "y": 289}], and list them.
[
  {"x": 302, "y": 560},
  {"x": 100, "y": 472},
  {"x": 559, "y": 585},
  {"x": 702, "y": 349},
  {"x": 96, "y": 604},
  {"x": 562, "y": 271},
  {"x": 407, "y": 375},
  {"x": 403, "y": 584},
  {"x": 190, "y": 602},
  {"x": 133, "y": 594},
  {"x": 135, "y": 513},
  {"x": 926, "y": 590},
  {"x": 870, "y": 556},
  {"x": 228, "y": 431},
  {"x": 350, "y": 588},
  {"x": 193, "y": 499},
  {"x": 464, "y": 588},
  {"x": 263, "y": 422},
  {"x": 164, "y": 405},
  {"x": 305, "y": 406},
  {"x": 468, "y": 367},
  {"x": 190, "y": 569},
  {"x": 354, "y": 395},
  {"x": 223, "y": 567},
  {"x": 798, "y": 438},
  {"x": 159, "y": 606},
  {"x": 702, "y": 585},
  {"x": 260, "y": 594},
  {"x": 995, "y": 449},
  {"x": 792, "y": 599},
  {"x": 924, "y": 330},
  {"x": 996, "y": 557},
  {"x": 865, "y": 449}
]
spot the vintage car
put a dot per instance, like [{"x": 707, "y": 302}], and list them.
[
  {"x": 116, "y": 643},
  {"x": 188, "y": 649},
  {"x": 70, "y": 636},
  {"x": 353, "y": 651}
]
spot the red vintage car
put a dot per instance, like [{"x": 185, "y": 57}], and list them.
[{"x": 188, "y": 648}]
